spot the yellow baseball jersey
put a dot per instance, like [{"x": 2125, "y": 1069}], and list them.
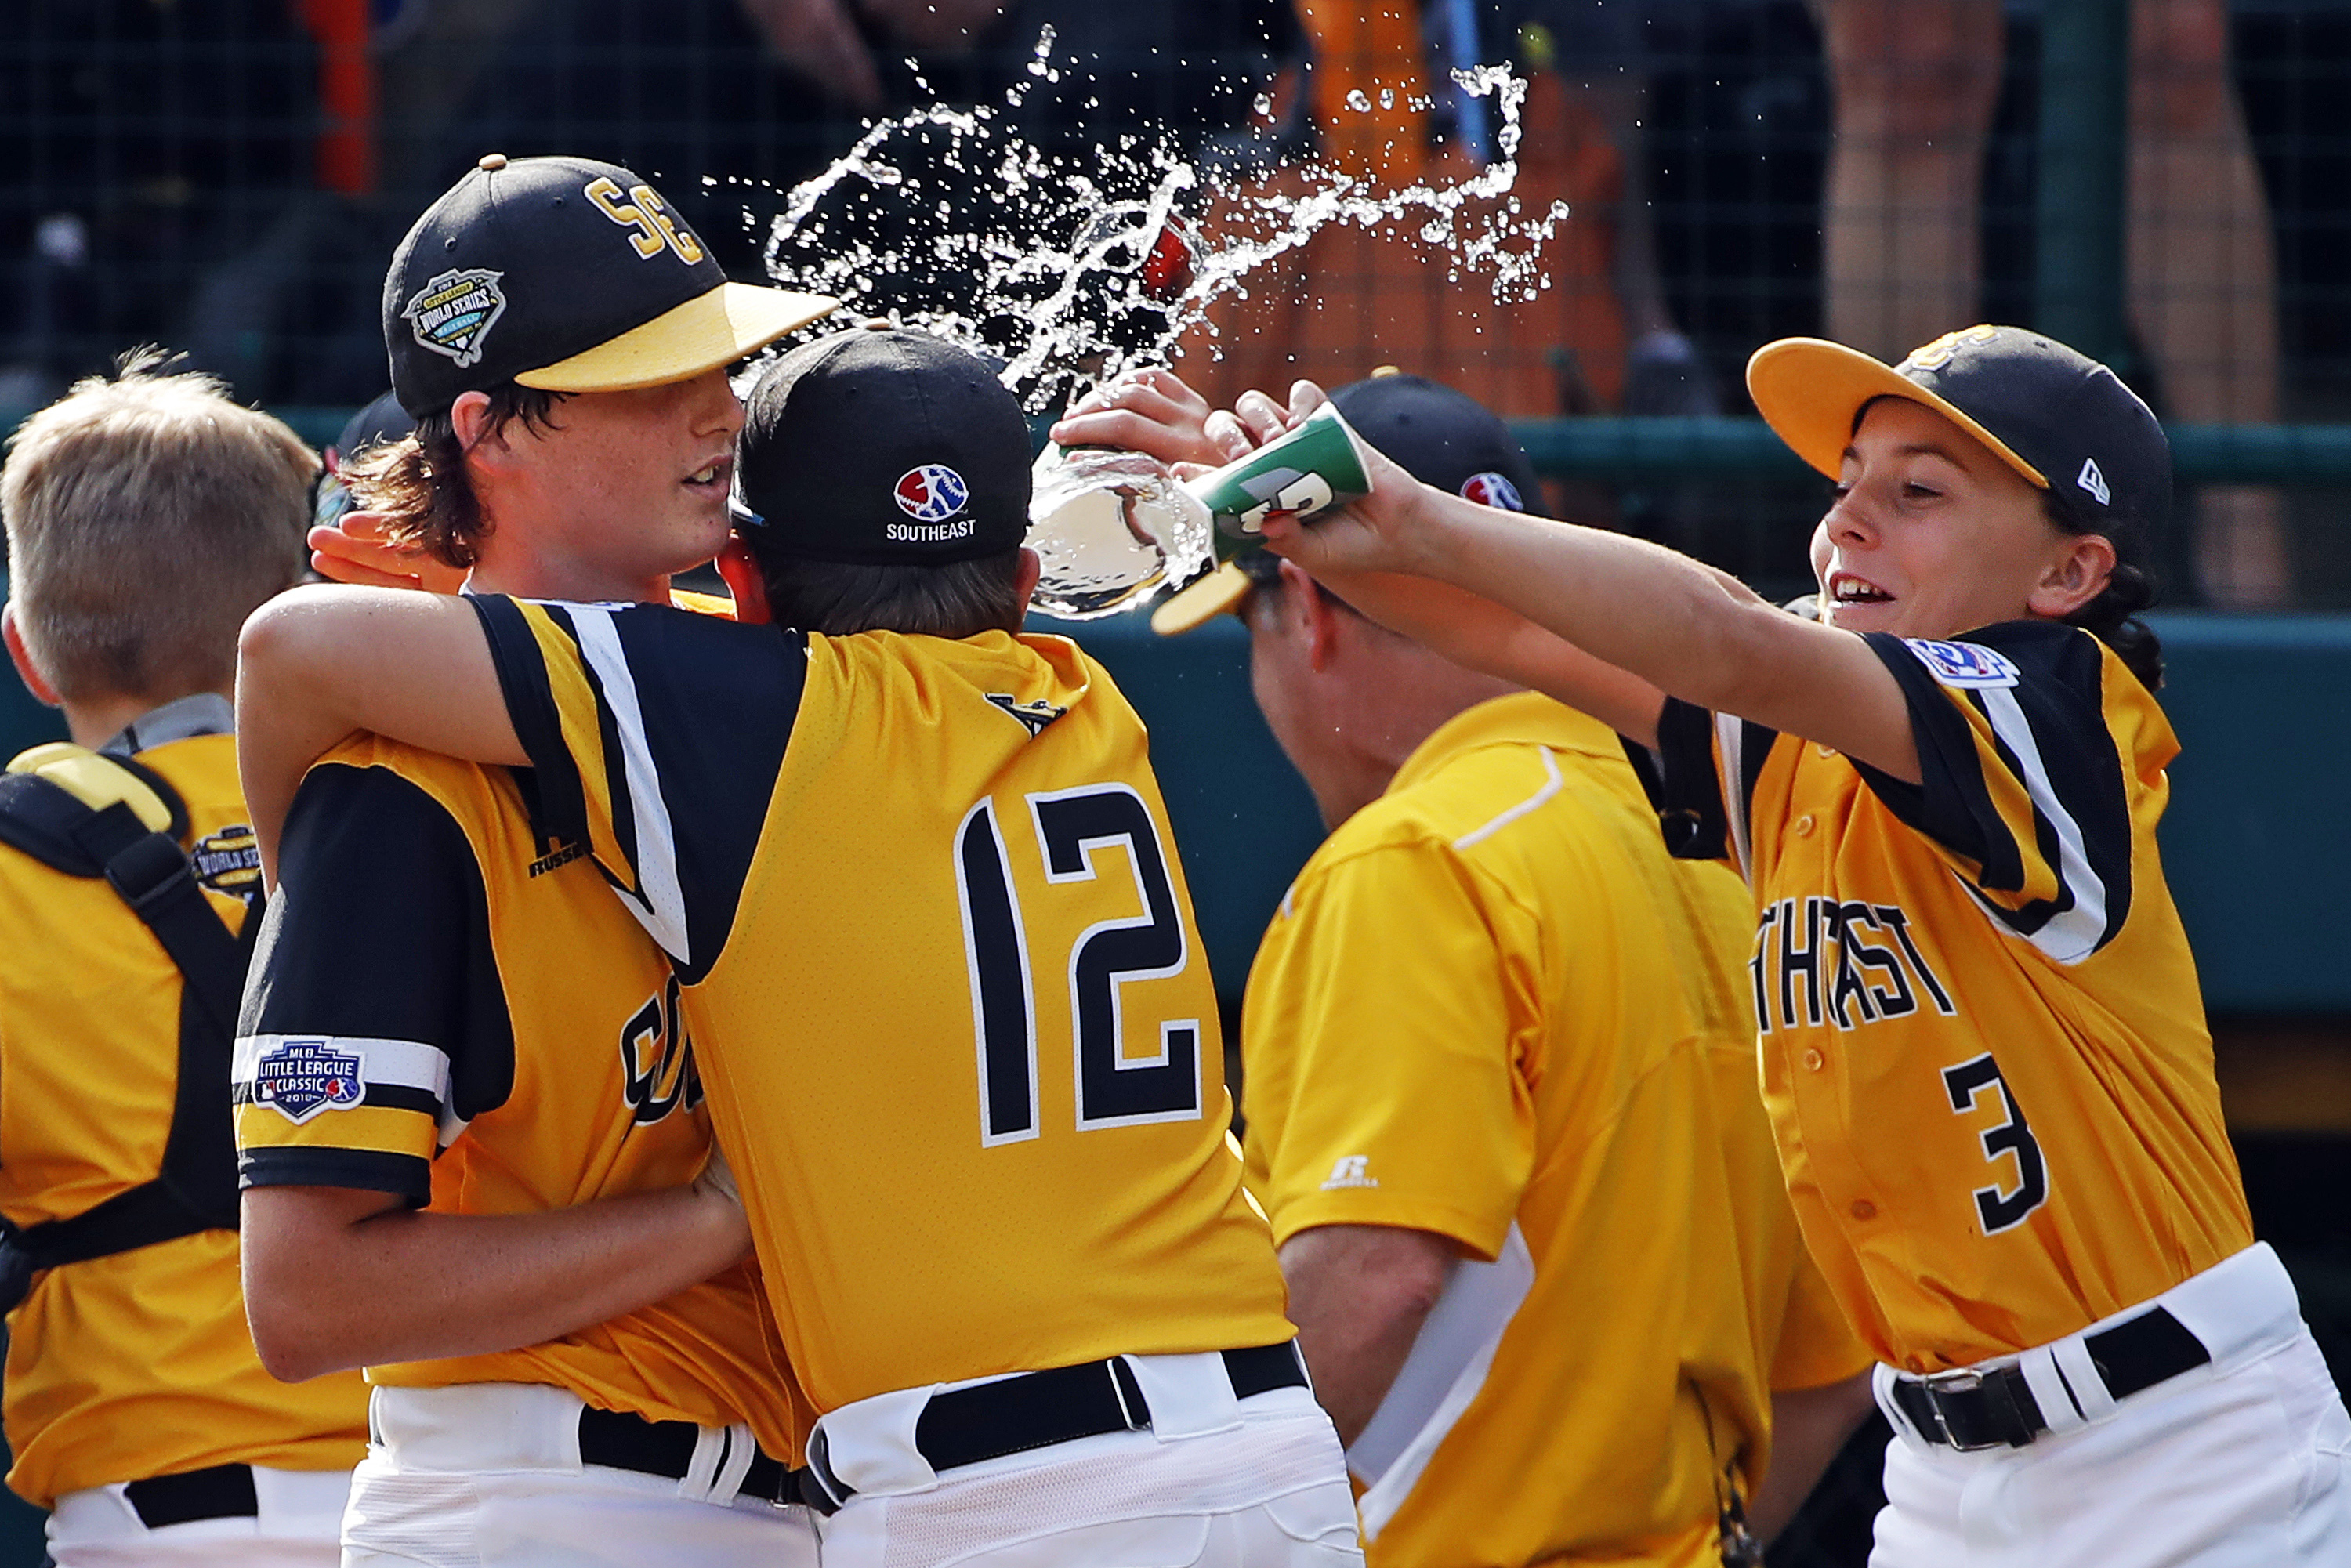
[
  {"x": 1983, "y": 1046},
  {"x": 138, "y": 1365},
  {"x": 942, "y": 974},
  {"x": 1493, "y": 1008},
  {"x": 449, "y": 1006}
]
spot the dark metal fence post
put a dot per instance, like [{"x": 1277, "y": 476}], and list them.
[{"x": 2077, "y": 275}]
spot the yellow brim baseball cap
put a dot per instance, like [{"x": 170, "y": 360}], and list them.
[
  {"x": 1218, "y": 593},
  {"x": 710, "y": 330},
  {"x": 1810, "y": 391}
]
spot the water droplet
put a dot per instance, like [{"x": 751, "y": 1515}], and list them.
[
  {"x": 1358, "y": 102},
  {"x": 1387, "y": 97}
]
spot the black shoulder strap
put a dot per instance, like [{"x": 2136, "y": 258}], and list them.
[{"x": 196, "y": 1189}]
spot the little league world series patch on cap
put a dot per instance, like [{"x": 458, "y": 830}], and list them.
[
  {"x": 885, "y": 447},
  {"x": 566, "y": 275}
]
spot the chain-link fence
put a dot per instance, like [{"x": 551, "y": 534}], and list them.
[{"x": 227, "y": 177}]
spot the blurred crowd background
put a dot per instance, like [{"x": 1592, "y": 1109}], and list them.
[{"x": 227, "y": 177}]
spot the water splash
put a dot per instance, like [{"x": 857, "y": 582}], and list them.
[{"x": 946, "y": 219}]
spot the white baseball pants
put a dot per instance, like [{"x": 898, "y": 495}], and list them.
[
  {"x": 2243, "y": 1463},
  {"x": 1217, "y": 1482},
  {"x": 488, "y": 1474},
  {"x": 299, "y": 1525}
]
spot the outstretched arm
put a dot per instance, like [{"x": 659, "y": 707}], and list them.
[
  {"x": 1154, "y": 412},
  {"x": 318, "y": 664},
  {"x": 1690, "y": 631}
]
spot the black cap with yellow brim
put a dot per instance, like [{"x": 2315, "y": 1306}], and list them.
[
  {"x": 566, "y": 275},
  {"x": 1440, "y": 437},
  {"x": 2065, "y": 422}
]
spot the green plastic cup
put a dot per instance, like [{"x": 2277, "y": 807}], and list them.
[{"x": 1308, "y": 471}]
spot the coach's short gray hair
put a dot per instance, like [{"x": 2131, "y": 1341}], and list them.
[{"x": 147, "y": 517}]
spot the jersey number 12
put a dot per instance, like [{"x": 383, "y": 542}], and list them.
[{"x": 1075, "y": 828}]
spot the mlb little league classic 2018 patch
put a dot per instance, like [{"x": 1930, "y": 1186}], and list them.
[{"x": 303, "y": 1077}]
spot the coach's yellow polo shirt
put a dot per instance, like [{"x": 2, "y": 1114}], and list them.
[{"x": 1493, "y": 1008}]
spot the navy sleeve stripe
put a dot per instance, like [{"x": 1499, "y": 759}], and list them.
[
  {"x": 366, "y": 1170},
  {"x": 530, "y": 704},
  {"x": 376, "y": 947},
  {"x": 2049, "y": 732}
]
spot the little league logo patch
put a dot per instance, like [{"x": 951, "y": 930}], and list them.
[
  {"x": 452, "y": 314},
  {"x": 304, "y": 1077},
  {"x": 1493, "y": 490},
  {"x": 229, "y": 861},
  {"x": 932, "y": 493},
  {"x": 1962, "y": 664}
]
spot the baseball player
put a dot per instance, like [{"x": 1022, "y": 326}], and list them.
[
  {"x": 470, "y": 1102},
  {"x": 932, "y": 940},
  {"x": 146, "y": 515},
  {"x": 1983, "y": 1049},
  {"x": 1490, "y": 1010}
]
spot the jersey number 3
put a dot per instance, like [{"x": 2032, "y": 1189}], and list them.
[
  {"x": 1075, "y": 828},
  {"x": 1966, "y": 1083}
]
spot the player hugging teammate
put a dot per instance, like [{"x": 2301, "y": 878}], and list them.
[{"x": 910, "y": 880}]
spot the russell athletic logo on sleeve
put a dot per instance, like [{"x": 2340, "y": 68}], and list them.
[
  {"x": 453, "y": 313},
  {"x": 303, "y": 1077},
  {"x": 1349, "y": 1172}
]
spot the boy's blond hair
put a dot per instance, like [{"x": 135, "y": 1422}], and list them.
[{"x": 147, "y": 517}]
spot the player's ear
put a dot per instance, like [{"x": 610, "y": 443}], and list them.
[
  {"x": 745, "y": 580},
  {"x": 17, "y": 655},
  {"x": 1032, "y": 566},
  {"x": 1317, "y": 618},
  {"x": 2077, "y": 573}
]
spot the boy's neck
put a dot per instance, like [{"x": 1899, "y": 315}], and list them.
[
  {"x": 532, "y": 574},
  {"x": 94, "y": 721}
]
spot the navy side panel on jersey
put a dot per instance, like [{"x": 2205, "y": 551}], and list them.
[
  {"x": 1704, "y": 814},
  {"x": 374, "y": 989},
  {"x": 2020, "y": 707},
  {"x": 691, "y": 715}
]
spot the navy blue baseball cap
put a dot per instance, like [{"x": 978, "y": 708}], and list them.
[
  {"x": 2060, "y": 419},
  {"x": 886, "y": 447},
  {"x": 566, "y": 275},
  {"x": 1438, "y": 436}
]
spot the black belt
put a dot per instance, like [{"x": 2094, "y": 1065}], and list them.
[
  {"x": 219, "y": 1491},
  {"x": 665, "y": 1448},
  {"x": 1969, "y": 1410},
  {"x": 1038, "y": 1409}
]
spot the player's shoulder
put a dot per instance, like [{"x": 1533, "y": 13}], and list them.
[
  {"x": 393, "y": 790},
  {"x": 447, "y": 779},
  {"x": 2055, "y": 667},
  {"x": 2004, "y": 656},
  {"x": 1035, "y": 679},
  {"x": 1512, "y": 770}
]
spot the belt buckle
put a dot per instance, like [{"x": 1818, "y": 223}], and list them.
[{"x": 1958, "y": 1380}]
